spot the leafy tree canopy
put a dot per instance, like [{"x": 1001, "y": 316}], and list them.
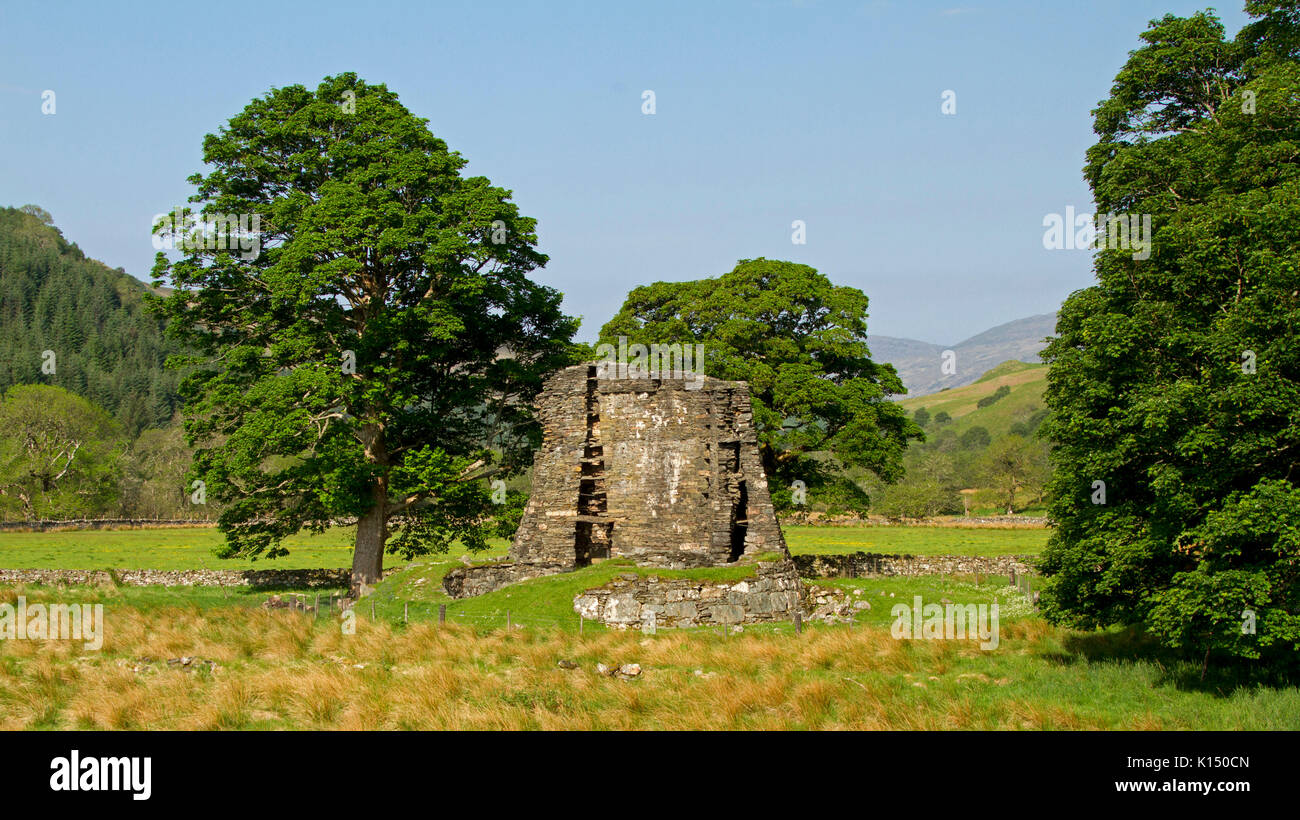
[
  {"x": 1175, "y": 381},
  {"x": 801, "y": 344},
  {"x": 375, "y": 361}
]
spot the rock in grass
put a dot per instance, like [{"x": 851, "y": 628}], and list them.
[
  {"x": 603, "y": 669},
  {"x": 566, "y": 664},
  {"x": 629, "y": 670}
]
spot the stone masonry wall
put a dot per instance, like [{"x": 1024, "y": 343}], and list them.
[
  {"x": 466, "y": 582},
  {"x": 664, "y": 471},
  {"x": 863, "y": 564},
  {"x": 546, "y": 532},
  {"x": 256, "y": 578},
  {"x": 773, "y": 593}
]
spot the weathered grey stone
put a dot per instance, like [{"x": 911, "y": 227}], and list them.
[
  {"x": 622, "y": 609},
  {"x": 681, "y": 610},
  {"x": 629, "y": 670},
  {"x": 716, "y": 602},
  {"x": 588, "y": 606},
  {"x": 728, "y": 614},
  {"x": 662, "y": 469},
  {"x": 465, "y": 582}
]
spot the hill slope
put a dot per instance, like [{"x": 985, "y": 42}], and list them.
[
  {"x": 1023, "y": 403},
  {"x": 106, "y": 347},
  {"x": 918, "y": 363}
]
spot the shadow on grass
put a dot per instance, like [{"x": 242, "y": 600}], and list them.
[{"x": 1223, "y": 675}]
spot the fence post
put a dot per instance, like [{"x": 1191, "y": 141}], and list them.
[
  {"x": 372, "y": 609},
  {"x": 507, "y": 620},
  {"x": 798, "y": 622},
  {"x": 580, "y": 623},
  {"x": 1013, "y": 578},
  {"x": 315, "y": 610},
  {"x": 442, "y": 613},
  {"x": 406, "y": 609}
]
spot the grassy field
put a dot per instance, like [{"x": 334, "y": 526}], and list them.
[
  {"x": 192, "y": 547},
  {"x": 416, "y": 593},
  {"x": 164, "y": 548},
  {"x": 253, "y": 669}
]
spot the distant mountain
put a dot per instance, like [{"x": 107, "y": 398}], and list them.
[
  {"x": 55, "y": 302},
  {"x": 919, "y": 363}
]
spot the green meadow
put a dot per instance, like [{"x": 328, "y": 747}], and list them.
[{"x": 176, "y": 548}]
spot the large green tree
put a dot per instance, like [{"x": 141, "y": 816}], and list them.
[
  {"x": 374, "y": 362},
  {"x": 801, "y": 344},
  {"x": 1175, "y": 381}
]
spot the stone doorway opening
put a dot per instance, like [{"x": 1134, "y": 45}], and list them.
[
  {"x": 591, "y": 542},
  {"x": 739, "y": 522}
]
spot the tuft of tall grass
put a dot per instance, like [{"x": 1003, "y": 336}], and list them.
[{"x": 256, "y": 669}]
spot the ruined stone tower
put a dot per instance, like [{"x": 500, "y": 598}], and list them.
[{"x": 664, "y": 471}]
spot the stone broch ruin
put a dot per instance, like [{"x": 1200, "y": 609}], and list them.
[
  {"x": 664, "y": 471},
  {"x": 661, "y": 468}
]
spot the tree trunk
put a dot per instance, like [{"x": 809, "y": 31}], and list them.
[
  {"x": 372, "y": 528},
  {"x": 368, "y": 555}
]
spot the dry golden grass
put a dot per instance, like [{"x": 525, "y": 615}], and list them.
[{"x": 284, "y": 670}]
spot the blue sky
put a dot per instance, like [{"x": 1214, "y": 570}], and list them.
[{"x": 766, "y": 113}]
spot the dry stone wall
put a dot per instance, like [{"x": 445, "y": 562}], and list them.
[
  {"x": 865, "y": 564},
  {"x": 466, "y": 582},
  {"x": 257, "y": 578},
  {"x": 632, "y": 601}
]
